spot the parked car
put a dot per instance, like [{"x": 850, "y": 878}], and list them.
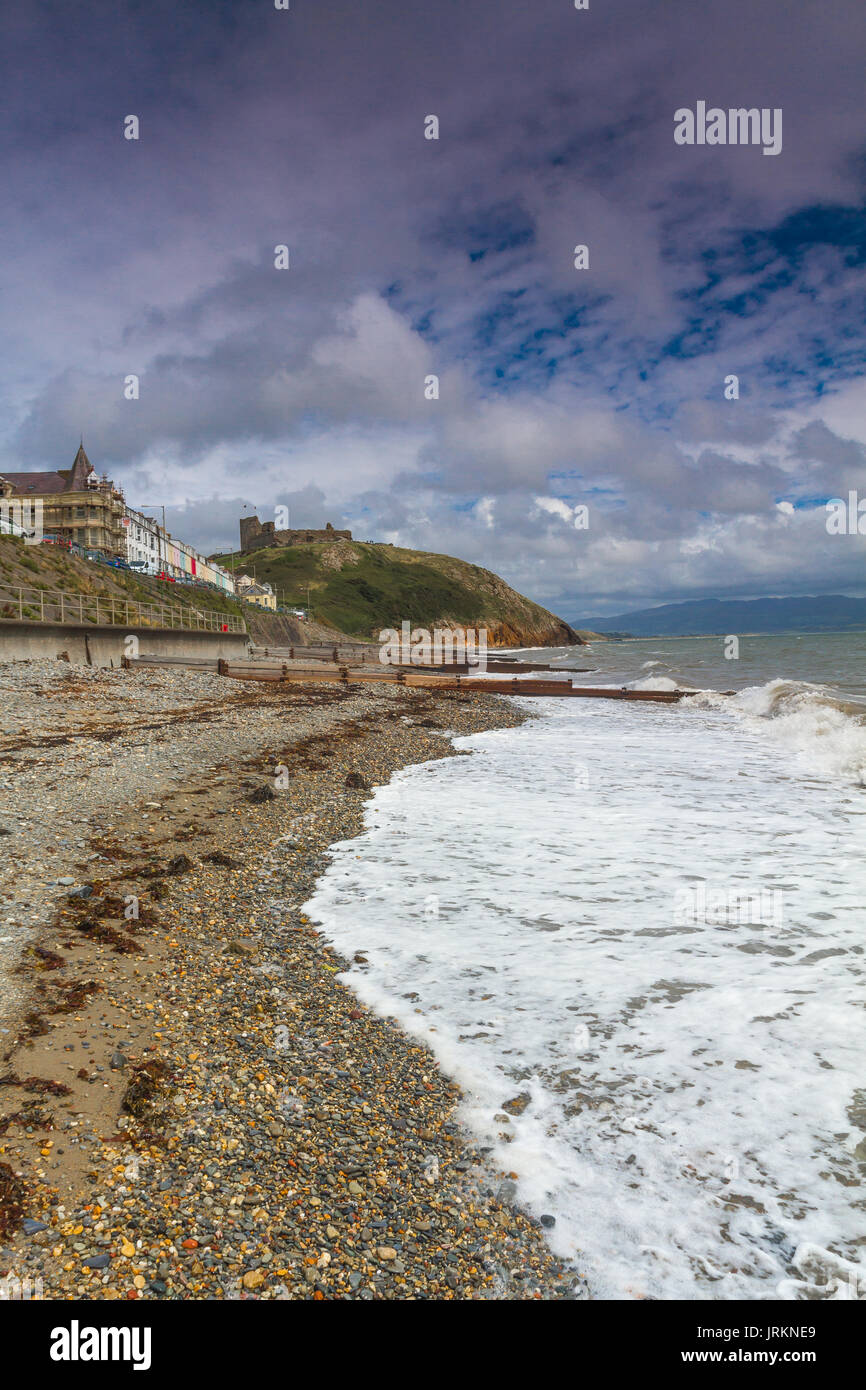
[
  {"x": 169, "y": 578},
  {"x": 118, "y": 564},
  {"x": 8, "y": 527}
]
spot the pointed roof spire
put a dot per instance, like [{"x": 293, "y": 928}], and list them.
[{"x": 80, "y": 470}]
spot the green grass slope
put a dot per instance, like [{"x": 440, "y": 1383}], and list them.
[{"x": 48, "y": 567}]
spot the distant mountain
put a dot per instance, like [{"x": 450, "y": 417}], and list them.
[{"x": 699, "y": 617}]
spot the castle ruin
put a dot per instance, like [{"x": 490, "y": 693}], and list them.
[{"x": 255, "y": 535}]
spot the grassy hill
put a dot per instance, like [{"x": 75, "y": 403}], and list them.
[
  {"x": 362, "y": 588},
  {"x": 48, "y": 567},
  {"x": 354, "y": 589}
]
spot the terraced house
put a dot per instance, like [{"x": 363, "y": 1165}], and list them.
[{"x": 77, "y": 505}]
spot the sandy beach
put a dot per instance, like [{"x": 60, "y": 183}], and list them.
[{"x": 191, "y": 1103}]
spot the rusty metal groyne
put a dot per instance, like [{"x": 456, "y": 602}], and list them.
[{"x": 412, "y": 677}]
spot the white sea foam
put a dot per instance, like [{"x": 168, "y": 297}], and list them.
[
  {"x": 654, "y": 683},
  {"x": 815, "y": 729},
  {"x": 694, "y": 1108}
]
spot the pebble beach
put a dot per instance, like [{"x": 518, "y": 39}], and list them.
[{"x": 192, "y": 1103}]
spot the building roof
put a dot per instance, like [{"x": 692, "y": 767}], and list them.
[
  {"x": 36, "y": 482},
  {"x": 72, "y": 479},
  {"x": 251, "y": 586}
]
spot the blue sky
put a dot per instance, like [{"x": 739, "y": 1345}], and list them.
[{"x": 454, "y": 257}]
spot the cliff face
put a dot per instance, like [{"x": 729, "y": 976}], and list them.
[
  {"x": 553, "y": 634},
  {"x": 283, "y": 630},
  {"x": 360, "y": 589}
]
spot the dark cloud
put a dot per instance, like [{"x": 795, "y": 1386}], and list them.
[{"x": 452, "y": 257}]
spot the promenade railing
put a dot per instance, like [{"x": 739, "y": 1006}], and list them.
[{"x": 55, "y": 606}]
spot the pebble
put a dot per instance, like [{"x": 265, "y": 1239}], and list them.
[
  {"x": 297, "y": 1144},
  {"x": 30, "y": 1226}
]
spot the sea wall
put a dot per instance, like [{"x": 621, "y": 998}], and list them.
[{"x": 90, "y": 644}]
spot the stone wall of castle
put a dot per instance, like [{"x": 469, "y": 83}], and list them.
[{"x": 256, "y": 534}]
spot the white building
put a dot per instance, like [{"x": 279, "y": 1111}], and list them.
[{"x": 143, "y": 548}]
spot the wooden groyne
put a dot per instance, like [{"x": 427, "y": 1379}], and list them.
[
  {"x": 415, "y": 678},
  {"x": 356, "y": 654},
  {"x": 428, "y": 680}
]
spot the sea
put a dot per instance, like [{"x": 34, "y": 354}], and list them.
[{"x": 634, "y": 934}]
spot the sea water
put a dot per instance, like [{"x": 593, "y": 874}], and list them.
[{"x": 641, "y": 929}]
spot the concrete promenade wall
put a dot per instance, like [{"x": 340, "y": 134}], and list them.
[{"x": 90, "y": 645}]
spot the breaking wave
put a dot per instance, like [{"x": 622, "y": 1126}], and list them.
[{"x": 825, "y": 732}]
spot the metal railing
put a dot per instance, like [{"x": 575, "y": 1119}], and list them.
[{"x": 54, "y": 606}]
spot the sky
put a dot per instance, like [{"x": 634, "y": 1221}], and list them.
[{"x": 559, "y": 389}]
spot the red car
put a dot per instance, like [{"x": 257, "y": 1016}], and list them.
[{"x": 169, "y": 578}]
